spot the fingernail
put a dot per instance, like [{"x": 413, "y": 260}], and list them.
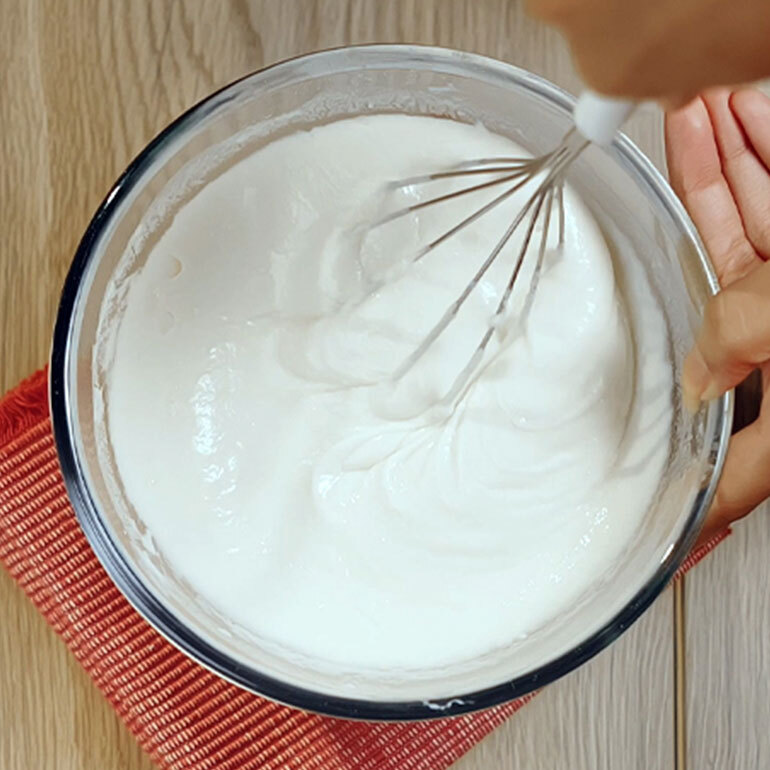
[
  {"x": 691, "y": 403},
  {"x": 698, "y": 383}
]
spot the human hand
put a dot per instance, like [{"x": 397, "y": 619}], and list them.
[
  {"x": 718, "y": 151},
  {"x": 662, "y": 49}
]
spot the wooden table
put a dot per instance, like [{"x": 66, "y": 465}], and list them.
[{"x": 85, "y": 84}]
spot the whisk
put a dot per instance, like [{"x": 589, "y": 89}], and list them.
[{"x": 596, "y": 120}]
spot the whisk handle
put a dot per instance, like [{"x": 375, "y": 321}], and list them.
[{"x": 598, "y": 118}]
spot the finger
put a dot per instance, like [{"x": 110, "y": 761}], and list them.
[
  {"x": 752, "y": 109},
  {"x": 745, "y": 172},
  {"x": 745, "y": 481},
  {"x": 672, "y": 102},
  {"x": 696, "y": 175},
  {"x": 734, "y": 339}
]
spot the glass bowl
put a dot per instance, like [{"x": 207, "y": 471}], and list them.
[{"x": 647, "y": 229}]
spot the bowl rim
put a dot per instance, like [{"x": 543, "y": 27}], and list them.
[{"x": 96, "y": 530}]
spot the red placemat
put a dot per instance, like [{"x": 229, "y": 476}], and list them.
[{"x": 183, "y": 715}]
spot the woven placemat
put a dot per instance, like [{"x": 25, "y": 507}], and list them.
[{"x": 183, "y": 715}]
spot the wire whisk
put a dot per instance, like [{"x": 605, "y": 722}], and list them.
[{"x": 596, "y": 121}]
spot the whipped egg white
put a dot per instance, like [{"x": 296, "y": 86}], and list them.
[{"x": 260, "y": 436}]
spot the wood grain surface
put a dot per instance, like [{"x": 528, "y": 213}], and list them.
[{"x": 85, "y": 84}]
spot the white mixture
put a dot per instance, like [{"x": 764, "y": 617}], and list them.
[{"x": 258, "y": 434}]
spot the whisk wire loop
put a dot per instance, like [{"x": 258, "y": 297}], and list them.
[{"x": 516, "y": 172}]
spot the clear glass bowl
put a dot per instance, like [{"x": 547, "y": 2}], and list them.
[{"x": 643, "y": 221}]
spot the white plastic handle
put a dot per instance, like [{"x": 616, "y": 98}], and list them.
[{"x": 598, "y": 118}]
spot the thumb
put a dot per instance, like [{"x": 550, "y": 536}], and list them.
[
  {"x": 734, "y": 339},
  {"x": 745, "y": 481}
]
